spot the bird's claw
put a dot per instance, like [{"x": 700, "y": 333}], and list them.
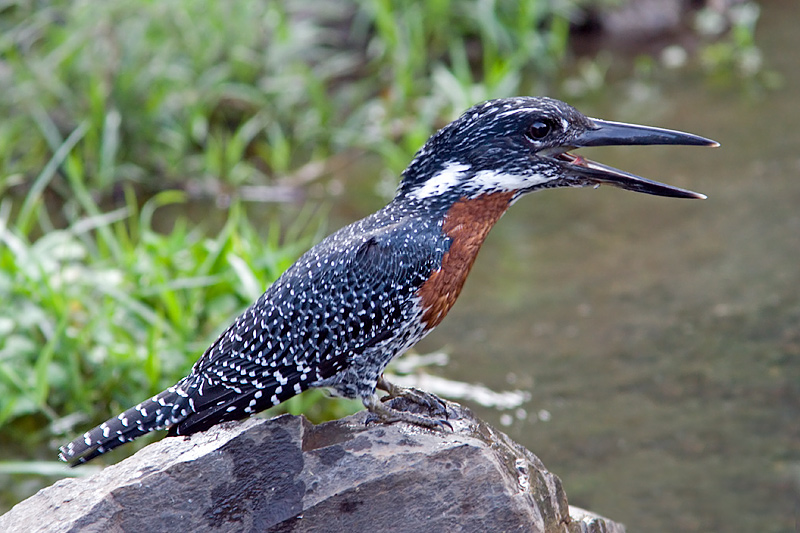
[
  {"x": 409, "y": 398},
  {"x": 389, "y": 413},
  {"x": 415, "y": 399},
  {"x": 443, "y": 423},
  {"x": 435, "y": 424}
]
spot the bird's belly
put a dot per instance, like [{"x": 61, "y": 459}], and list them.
[{"x": 358, "y": 379}]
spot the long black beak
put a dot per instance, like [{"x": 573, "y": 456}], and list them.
[{"x": 606, "y": 133}]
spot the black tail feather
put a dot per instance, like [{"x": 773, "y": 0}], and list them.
[
  {"x": 194, "y": 404},
  {"x": 162, "y": 410}
]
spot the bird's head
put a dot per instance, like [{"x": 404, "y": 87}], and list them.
[{"x": 522, "y": 145}]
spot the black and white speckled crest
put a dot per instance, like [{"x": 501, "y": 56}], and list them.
[{"x": 493, "y": 138}]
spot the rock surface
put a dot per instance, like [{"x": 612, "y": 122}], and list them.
[{"x": 287, "y": 475}]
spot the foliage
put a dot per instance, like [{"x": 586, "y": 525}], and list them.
[
  {"x": 734, "y": 56},
  {"x": 108, "y": 309},
  {"x": 243, "y": 92}
]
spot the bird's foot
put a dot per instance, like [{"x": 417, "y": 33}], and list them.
[
  {"x": 432, "y": 404},
  {"x": 409, "y": 405},
  {"x": 380, "y": 412}
]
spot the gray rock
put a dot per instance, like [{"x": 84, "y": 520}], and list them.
[{"x": 286, "y": 474}]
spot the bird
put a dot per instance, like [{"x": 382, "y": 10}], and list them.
[{"x": 370, "y": 291}]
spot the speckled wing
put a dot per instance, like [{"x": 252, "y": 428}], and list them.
[{"x": 350, "y": 293}]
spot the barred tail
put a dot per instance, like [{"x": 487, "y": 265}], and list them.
[{"x": 162, "y": 410}]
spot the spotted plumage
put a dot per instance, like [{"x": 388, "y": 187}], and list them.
[{"x": 373, "y": 289}]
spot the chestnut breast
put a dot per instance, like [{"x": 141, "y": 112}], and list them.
[{"x": 467, "y": 224}]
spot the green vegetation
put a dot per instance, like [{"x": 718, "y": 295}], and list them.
[
  {"x": 248, "y": 91},
  {"x": 108, "y": 309},
  {"x": 116, "y": 113},
  {"x": 734, "y": 56}
]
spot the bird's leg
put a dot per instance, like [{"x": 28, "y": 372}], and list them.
[
  {"x": 387, "y": 415},
  {"x": 393, "y": 390},
  {"x": 431, "y": 402}
]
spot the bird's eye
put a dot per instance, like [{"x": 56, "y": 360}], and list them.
[{"x": 540, "y": 129}]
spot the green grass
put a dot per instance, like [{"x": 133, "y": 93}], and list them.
[
  {"x": 108, "y": 309},
  {"x": 246, "y": 92}
]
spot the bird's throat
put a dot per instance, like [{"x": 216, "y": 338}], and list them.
[{"x": 467, "y": 224}]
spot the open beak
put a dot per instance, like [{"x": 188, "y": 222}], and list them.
[{"x": 606, "y": 133}]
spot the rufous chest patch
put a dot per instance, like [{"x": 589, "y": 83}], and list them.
[{"x": 467, "y": 223}]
